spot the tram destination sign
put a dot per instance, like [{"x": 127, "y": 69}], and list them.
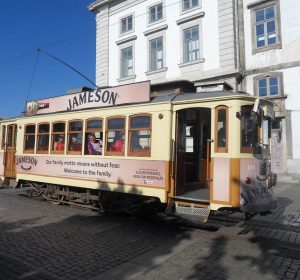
[{"x": 113, "y": 96}]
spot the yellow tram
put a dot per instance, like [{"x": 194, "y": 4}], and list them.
[{"x": 192, "y": 152}]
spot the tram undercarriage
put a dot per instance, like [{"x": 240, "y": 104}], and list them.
[{"x": 98, "y": 200}]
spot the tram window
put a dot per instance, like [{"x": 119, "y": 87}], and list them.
[
  {"x": 43, "y": 138},
  {"x": 15, "y": 136},
  {"x": 140, "y": 135},
  {"x": 75, "y": 137},
  {"x": 221, "y": 129},
  {"x": 249, "y": 129},
  {"x": 189, "y": 139},
  {"x": 115, "y": 136},
  {"x": 94, "y": 137},
  {"x": 9, "y": 136},
  {"x": 3, "y": 138},
  {"x": 58, "y": 138},
  {"x": 29, "y": 138}
]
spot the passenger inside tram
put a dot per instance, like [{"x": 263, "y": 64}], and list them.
[
  {"x": 118, "y": 143},
  {"x": 59, "y": 144},
  {"x": 94, "y": 145}
]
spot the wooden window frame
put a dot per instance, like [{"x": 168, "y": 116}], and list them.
[
  {"x": 37, "y": 138},
  {"x": 57, "y": 133},
  {"x": 142, "y": 153},
  {"x": 111, "y": 153},
  {"x": 69, "y": 133},
  {"x": 221, "y": 149},
  {"x": 87, "y": 131},
  {"x": 3, "y": 136},
  {"x": 29, "y": 151}
]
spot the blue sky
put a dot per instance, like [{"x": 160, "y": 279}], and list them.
[{"x": 63, "y": 28}]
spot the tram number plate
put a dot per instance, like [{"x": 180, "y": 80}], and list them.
[{"x": 251, "y": 167}]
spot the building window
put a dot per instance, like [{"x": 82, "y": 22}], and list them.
[
  {"x": 155, "y": 13},
  {"x": 156, "y": 54},
  {"x": 29, "y": 138},
  {"x": 266, "y": 26},
  {"x": 191, "y": 46},
  {"x": 268, "y": 85},
  {"x": 140, "y": 135},
  {"x": 94, "y": 137},
  {"x": 75, "y": 137},
  {"x": 189, "y": 4},
  {"x": 115, "y": 136},
  {"x": 58, "y": 138},
  {"x": 43, "y": 138},
  {"x": 126, "y": 24},
  {"x": 126, "y": 62},
  {"x": 221, "y": 129}
]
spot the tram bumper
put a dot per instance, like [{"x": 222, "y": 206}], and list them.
[{"x": 257, "y": 197}]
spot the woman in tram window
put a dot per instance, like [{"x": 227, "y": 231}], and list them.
[
  {"x": 59, "y": 145},
  {"x": 94, "y": 146}
]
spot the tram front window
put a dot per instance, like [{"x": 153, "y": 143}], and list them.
[{"x": 249, "y": 130}]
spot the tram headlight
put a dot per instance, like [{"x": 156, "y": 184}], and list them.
[{"x": 248, "y": 181}]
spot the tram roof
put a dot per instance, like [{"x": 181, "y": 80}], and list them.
[{"x": 174, "y": 97}]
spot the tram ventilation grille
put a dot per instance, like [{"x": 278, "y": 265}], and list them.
[{"x": 192, "y": 210}]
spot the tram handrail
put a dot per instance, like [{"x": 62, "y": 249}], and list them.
[{"x": 208, "y": 142}]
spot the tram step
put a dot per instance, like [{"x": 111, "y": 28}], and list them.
[{"x": 192, "y": 209}]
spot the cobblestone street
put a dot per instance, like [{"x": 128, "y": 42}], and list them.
[{"x": 43, "y": 241}]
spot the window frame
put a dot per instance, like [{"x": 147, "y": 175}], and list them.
[
  {"x": 278, "y": 75},
  {"x": 185, "y": 55},
  {"x": 29, "y": 151},
  {"x": 121, "y": 63},
  {"x": 155, "y": 7},
  {"x": 143, "y": 153},
  {"x": 260, "y": 6},
  {"x": 69, "y": 135},
  {"x": 121, "y": 24},
  {"x": 37, "y": 138},
  {"x": 191, "y": 7},
  {"x": 57, "y": 133},
  {"x": 217, "y": 148},
  {"x": 107, "y": 130},
  {"x": 88, "y": 131},
  {"x": 156, "y": 50}
]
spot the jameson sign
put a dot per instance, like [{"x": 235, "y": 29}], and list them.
[
  {"x": 131, "y": 93},
  {"x": 136, "y": 172}
]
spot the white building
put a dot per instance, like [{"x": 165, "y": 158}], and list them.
[
  {"x": 272, "y": 70},
  {"x": 190, "y": 44},
  {"x": 165, "y": 41}
]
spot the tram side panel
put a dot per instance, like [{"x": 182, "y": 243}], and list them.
[{"x": 136, "y": 175}]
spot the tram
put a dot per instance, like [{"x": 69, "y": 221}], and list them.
[{"x": 192, "y": 152}]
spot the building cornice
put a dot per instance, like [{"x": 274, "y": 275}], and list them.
[
  {"x": 94, "y": 7},
  {"x": 156, "y": 29},
  {"x": 190, "y": 17}
]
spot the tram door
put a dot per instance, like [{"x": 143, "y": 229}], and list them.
[
  {"x": 193, "y": 153},
  {"x": 10, "y": 152}
]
